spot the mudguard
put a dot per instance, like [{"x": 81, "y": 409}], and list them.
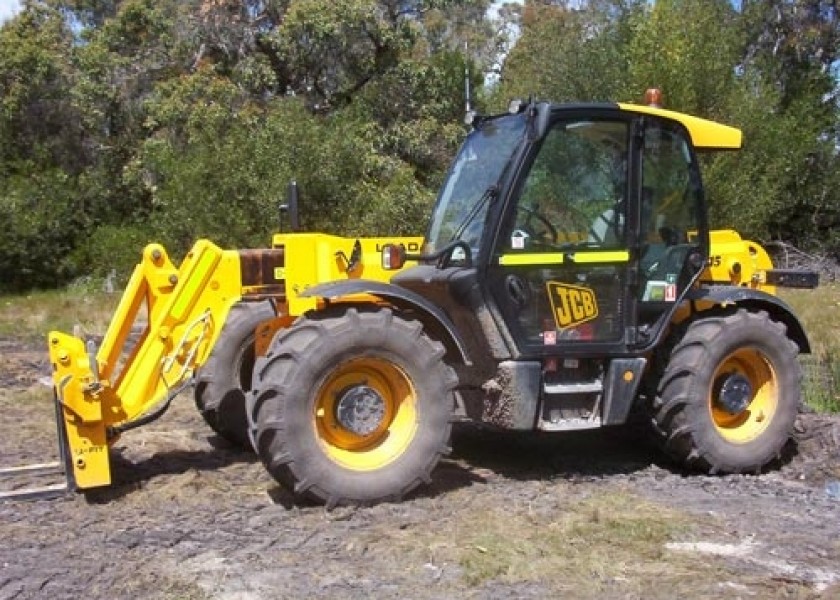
[
  {"x": 395, "y": 294},
  {"x": 756, "y": 299}
]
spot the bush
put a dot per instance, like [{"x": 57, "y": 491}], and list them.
[
  {"x": 113, "y": 250},
  {"x": 41, "y": 224}
]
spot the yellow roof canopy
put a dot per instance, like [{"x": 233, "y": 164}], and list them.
[{"x": 705, "y": 134}]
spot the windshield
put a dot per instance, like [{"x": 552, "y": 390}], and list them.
[{"x": 467, "y": 192}]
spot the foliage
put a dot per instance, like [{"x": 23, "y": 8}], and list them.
[
  {"x": 175, "y": 120},
  {"x": 769, "y": 67},
  {"x": 40, "y": 221},
  {"x": 819, "y": 311},
  {"x": 561, "y": 48},
  {"x": 123, "y": 121},
  {"x": 689, "y": 50}
]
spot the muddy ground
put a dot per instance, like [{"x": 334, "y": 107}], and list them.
[{"x": 508, "y": 516}]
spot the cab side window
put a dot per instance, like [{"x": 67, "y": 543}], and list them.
[
  {"x": 574, "y": 193},
  {"x": 669, "y": 217}
]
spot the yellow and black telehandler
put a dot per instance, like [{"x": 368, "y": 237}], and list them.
[{"x": 568, "y": 278}]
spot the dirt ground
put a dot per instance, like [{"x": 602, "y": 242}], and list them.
[{"x": 508, "y": 516}]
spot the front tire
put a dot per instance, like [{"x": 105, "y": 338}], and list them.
[
  {"x": 352, "y": 406},
  {"x": 730, "y": 393},
  {"x": 225, "y": 377}
]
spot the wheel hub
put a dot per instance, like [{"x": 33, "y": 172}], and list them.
[
  {"x": 734, "y": 393},
  {"x": 360, "y": 409}
]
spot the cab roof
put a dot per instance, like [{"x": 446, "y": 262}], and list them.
[{"x": 705, "y": 134}]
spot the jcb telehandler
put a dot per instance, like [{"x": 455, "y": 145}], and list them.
[{"x": 568, "y": 276}]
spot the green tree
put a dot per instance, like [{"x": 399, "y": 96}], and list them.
[
  {"x": 571, "y": 51},
  {"x": 41, "y": 220},
  {"x": 790, "y": 74},
  {"x": 766, "y": 66},
  {"x": 688, "y": 49},
  {"x": 175, "y": 120},
  {"x": 39, "y": 126},
  {"x": 41, "y": 151}
]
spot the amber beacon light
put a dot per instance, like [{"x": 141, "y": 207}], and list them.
[{"x": 653, "y": 97}]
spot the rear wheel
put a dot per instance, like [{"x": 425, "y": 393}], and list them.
[
  {"x": 225, "y": 377},
  {"x": 352, "y": 407},
  {"x": 729, "y": 395}
]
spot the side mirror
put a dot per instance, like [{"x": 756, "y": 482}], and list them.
[{"x": 393, "y": 257}]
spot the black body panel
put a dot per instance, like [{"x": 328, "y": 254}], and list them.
[{"x": 756, "y": 300}]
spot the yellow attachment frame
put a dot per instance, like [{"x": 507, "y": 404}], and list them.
[
  {"x": 185, "y": 309},
  {"x": 343, "y": 258},
  {"x": 178, "y": 314}
]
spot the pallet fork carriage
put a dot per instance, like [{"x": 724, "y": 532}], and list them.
[
  {"x": 61, "y": 467},
  {"x": 36, "y": 493}
]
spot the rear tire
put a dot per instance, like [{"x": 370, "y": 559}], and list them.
[
  {"x": 352, "y": 407},
  {"x": 729, "y": 395},
  {"x": 226, "y": 376}
]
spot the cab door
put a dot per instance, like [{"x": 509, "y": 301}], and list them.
[
  {"x": 673, "y": 236},
  {"x": 560, "y": 266}
]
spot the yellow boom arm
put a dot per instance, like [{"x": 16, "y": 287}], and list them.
[{"x": 178, "y": 314}]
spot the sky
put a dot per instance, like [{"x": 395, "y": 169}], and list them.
[{"x": 8, "y": 8}]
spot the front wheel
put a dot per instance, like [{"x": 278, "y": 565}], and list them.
[
  {"x": 225, "y": 377},
  {"x": 352, "y": 406},
  {"x": 729, "y": 395}
]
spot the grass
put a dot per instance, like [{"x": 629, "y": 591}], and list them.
[
  {"x": 565, "y": 540},
  {"x": 31, "y": 316},
  {"x": 819, "y": 312},
  {"x": 603, "y": 538}
]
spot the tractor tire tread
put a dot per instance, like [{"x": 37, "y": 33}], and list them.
[
  {"x": 219, "y": 393},
  {"x": 678, "y": 412},
  {"x": 295, "y": 357}
]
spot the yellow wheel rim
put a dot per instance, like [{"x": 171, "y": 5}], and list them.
[
  {"x": 744, "y": 396},
  {"x": 366, "y": 414}
]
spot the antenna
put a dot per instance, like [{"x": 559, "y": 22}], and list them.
[
  {"x": 469, "y": 114},
  {"x": 468, "y": 107}
]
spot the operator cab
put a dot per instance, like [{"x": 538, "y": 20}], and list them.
[
  {"x": 593, "y": 245},
  {"x": 582, "y": 225}
]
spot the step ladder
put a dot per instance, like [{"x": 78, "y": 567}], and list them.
[{"x": 592, "y": 388}]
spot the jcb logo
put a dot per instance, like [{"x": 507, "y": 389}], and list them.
[{"x": 571, "y": 304}]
